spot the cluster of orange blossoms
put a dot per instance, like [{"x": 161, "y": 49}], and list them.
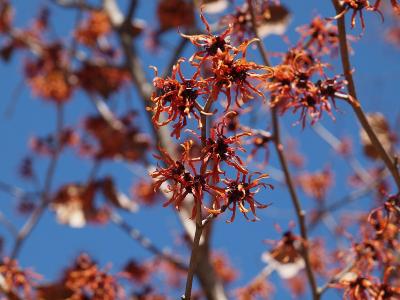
[
  {"x": 358, "y": 6},
  {"x": 224, "y": 77},
  {"x": 209, "y": 168},
  {"x": 178, "y": 99}
]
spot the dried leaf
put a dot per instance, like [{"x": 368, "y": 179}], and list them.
[
  {"x": 274, "y": 19},
  {"x": 175, "y": 13},
  {"x": 74, "y": 205},
  {"x": 212, "y": 6},
  {"x": 116, "y": 198},
  {"x": 382, "y": 130},
  {"x": 53, "y": 291}
]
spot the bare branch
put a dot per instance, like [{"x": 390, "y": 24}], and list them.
[
  {"x": 145, "y": 242},
  {"x": 211, "y": 285},
  {"x": 355, "y": 104},
  {"x": 336, "y": 278},
  {"x": 289, "y": 181},
  {"x": 78, "y": 4},
  {"x": 45, "y": 198}
]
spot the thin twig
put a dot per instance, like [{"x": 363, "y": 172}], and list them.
[
  {"x": 336, "y": 278},
  {"x": 131, "y": 11},
  {"x": 289, "y": 181},
  {"x": 8, "y": 225},
  {"x": 336, "y": 144},
  {"x": 355, "y": 104},
  {"x": 352, "y": 197},
  {"x": 296, "y": 203},
  {"x": 177, "y": 52},
  {"x": 260, "y": 44},
  {"x": 210, "y": 283},
  {"x": 12, "y": 190},
  {"x": 199, "y": 221},
  {"x": 78, "y": 4},
  {"x": 106, "y": 113},
  {"x": 145, "y": 242},
  {"x": 45, "y": 198}
]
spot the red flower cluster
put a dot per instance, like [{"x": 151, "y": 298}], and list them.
[
  {"x": 238, "y": 194},
  {"x": 293, "y": 86},
  {"x": 270, "y": 17},
  {"x": 16, "y": 282},
  {"x": 75, "y": 204},
  {"x": 218, "y": 148},
  {"x": 102, "y": 80},
  {"x": 118, "y": 138},
  {"x": 96, "y": 26},
  {"x": 179, "y": 98},
  {"x": 320, "y": 36},
  {"x": 358, "y": 6},
  {"x": 357, "y": 287},
  {"x": 183, "y": 178},
  {"x": 86, "y": 280},
  {"x": 49, "y": 76}
]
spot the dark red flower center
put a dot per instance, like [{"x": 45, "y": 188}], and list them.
[{"x": 219, "y": 43}]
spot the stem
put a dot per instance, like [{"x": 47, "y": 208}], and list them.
[
  {"x": 260, "y": 44},
  {"x": 199, "y": 221},
  {"x": 145, "y": 242},
  {"x": 282, "y": 159},
  {"x": 177, "y": 52},
  {"x": 210, "y": 283},
  {"x": 45, "y": 199},
  {"x": 8, "y": 225},
  {"x": 335, "y": 143},
  {"x": 344, "y": 54},
  {"x": 352, "y": 197},
  {"x": 296, "y": 203},
  {"x": 336, "y": 278},
  {"x": 195, "y": 250}
]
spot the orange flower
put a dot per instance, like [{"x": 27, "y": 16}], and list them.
[
  {"x": 257, "y": 289},
  {"x": 48, "y": 75},
  {"x": 119, "y": 140},
  {"x": 219, "y": 148},
  {"x": 316, "y": 184},
  {"x": 292, "y": 87},
  {"x": 96, "y": 26},
  {"x": 85, "y": 279},
  {"x": 181, "y": 179},
  {"x": 238, "y": 194},
  {"x": 394, "y": 3},
  {"x": 103, "y": 80},
  {"x": 223, "y": 269},
  {"x": 358, "y": 6},
  {"x": 209, "y": 44},
  {"x": 175, "y": 13},
  {"x": 17, "y": 283},
  {"x": 177, "y": 99},
  {"x": 321, "y": 36},
  {"x": 6, "y": 16}
]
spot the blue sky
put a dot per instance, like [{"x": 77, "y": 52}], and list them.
[{"x": 52, "y": 246}]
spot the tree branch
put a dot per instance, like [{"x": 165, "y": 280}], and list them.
[
  {"x": 145, "y": 242},
  {"x": 45, "y": 198},
  {"x": 289, "y": 181},
  {"x": 355, "y": 104},
  {"x": 296, "y": 203},
  {"x": 199, "y": 223},
  {"x": 209, "y": 282}
]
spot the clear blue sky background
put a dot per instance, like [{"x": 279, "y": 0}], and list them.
[{"x": 52, "y": 246}]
